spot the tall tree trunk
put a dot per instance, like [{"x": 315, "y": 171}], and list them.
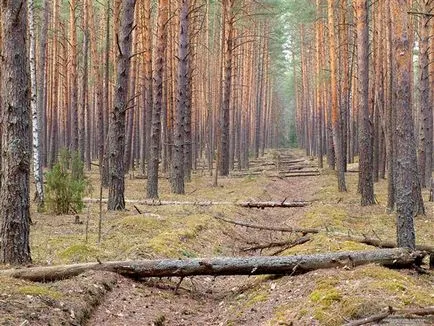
[
  {"x": 182, "y": 102},
  {"x": 147, "y": 85},
  {"x": 154, "y": 154},
  {"x": 74, "y": 146},
  {"x": 41, "y": 84},
  {"x": 390, "y": 116},
  {"x": 366, "y": 181},
  {"x": 15, "y": 165},
  {"x": 84, "y": 136},
  {"x": 226, "y": 92},
  {"x": 132, "y": 109},
  {"x": 319, "y": 83},
  {"x": 53, "y": 133},
  {"x": 103, "y": 111},
  {"x": 99, "y": 102},
  {"x": 426, "y": 112},
  {"x": 37, "y": 166},
  {"x": 408, "y": 192},
  {"x": 116, "y": 199},
  {"x": 336, "y": 118}
]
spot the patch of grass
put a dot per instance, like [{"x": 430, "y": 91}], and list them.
[
  {"x": 323, "y": 243},
  {"x": 256, "y": 298},
  {"x": 325, "y": 293},
  {"x": 38, "y": 290},
  {"x": 78, "y": 253},
  {"x": 325, "y": 215}
]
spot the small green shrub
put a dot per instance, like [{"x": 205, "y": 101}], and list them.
[{"x": 65, "y": 189}]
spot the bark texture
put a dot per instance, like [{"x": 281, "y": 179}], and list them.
[
  {"x": 182, "y": 102},
  {"x": 289, "y": 265},
  {"x": 116, "y": 199},
  {"x": 154, "y": 150},
  {"x": 37, "y": 164},
  {"x": 16, "y": 149},
  {"x": 336, "y": 117},
  {"x": 366, "y": 181},
  {"x": 408, "y": 192}
]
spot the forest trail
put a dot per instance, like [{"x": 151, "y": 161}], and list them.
[
  {"x": 323, "y": 297},
  {"x": 326, "y": 297},
  {"x": 206, "y": 300}
]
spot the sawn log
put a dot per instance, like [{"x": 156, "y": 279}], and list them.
[{"x": 290, "y": 265}]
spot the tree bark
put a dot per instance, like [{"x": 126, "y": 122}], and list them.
[
  {"x": 103, "y": 112},
  {"x": 85, "y": 127},
  {"x": 289, "y": 265},
  {"x": 42, "y": 89},
  {"x": 177, "y": 180},
  {"x": 117, "y": 123},
  {"x": 336, "y": 117},
  {"x": 366, "y": 181},
  {"x": 425, "y": 151},
  {"x": 75, "y": 125},
  {"x": 36, "y": 118},
  {"x": 147, "y": 85},
  {"x": 227, "y": 40},
  {"x": 16, "y": 135},
  {"x": 408, "y": 192},
  {"x": 154, "y": 151}
]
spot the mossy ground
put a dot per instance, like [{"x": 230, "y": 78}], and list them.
[{"x": 327, "y": 297}]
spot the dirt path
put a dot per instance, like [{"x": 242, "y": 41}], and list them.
[{"x": 205, "y": 300}]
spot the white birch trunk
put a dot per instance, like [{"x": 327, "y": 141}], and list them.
[{"x": 37, "y": 168}]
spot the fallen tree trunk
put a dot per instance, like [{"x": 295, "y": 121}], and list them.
[
  {"x": 151, "y": 202},
  {"x": 269, "y": 228},
  {"x": 291, "y": 265},
  {"x": 307, "y": 173},
  {"x": 248, "y": 204},
  {"x": 299, "y": 174},
  {"x": 269, "y": 204}
]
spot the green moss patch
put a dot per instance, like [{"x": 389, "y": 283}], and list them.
[{"x": 38, "y": 290}]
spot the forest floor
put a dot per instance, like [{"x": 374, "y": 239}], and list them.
[{"x": 322, "y": 297}]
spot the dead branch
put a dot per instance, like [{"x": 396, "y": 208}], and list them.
[
  {"x": 299, "y": 241},
  {"x": 378, "y": 242},
  {"x": 268, "y": 228},
  {"x": 286, "y": 243},
  {"x": 371, "y": 319},
  {"x": 392, "y": 311}
]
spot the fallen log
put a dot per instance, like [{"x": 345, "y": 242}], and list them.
[
  {"x": 151, "y": 202},
  {"x": 270, "y": 204},
  {"x": 247, "y": 204},
  {"x": 280, "y": 175},
  {"x": 283, "y": 265},
  {"x": 269, "y": 228}
]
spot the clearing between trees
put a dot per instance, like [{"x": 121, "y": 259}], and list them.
[{"x": 328, "y": 222}]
